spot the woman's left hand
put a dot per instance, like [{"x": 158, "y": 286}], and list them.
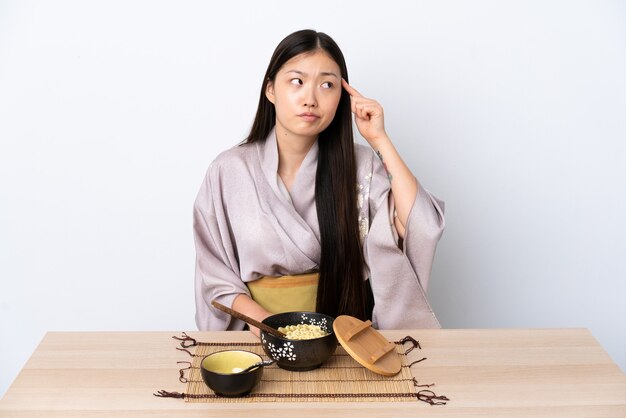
[{"x": 368, "y": 115}]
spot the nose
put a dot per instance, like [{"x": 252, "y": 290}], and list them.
[{"x": 309, "y": 98}]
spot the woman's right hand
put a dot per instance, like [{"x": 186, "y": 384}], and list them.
[{"x": 244, "y": 304}]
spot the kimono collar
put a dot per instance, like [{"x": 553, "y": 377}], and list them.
[
  {"x": 269, "y": 163},
  {"x": 295, "y": 211}
]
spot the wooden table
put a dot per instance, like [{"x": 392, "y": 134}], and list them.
[{"x": 513, "y": 373}]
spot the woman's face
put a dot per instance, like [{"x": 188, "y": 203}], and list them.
[{"x": 305, "y": 93}]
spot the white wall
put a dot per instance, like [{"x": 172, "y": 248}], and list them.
[{"x": 110, "y": 112}]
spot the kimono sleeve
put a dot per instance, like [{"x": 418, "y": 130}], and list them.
[
  {"x": 424, "y": 227},
  {"x": 216, "y": 273},
  {"x": 399, "y": 276}
]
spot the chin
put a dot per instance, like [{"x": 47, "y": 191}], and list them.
[
  {"x": 312, "y": 130},
  {"x": 301, "y": 129},
  {"x": 308, "y": 132}
]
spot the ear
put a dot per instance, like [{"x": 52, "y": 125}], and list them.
[{"x": 269, "y": 91}]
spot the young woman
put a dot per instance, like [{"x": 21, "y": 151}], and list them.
[{"x": 299, "y": 217}]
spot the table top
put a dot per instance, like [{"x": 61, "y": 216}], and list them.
[{"x": 495, "y": 372}]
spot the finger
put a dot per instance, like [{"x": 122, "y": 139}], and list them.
[
  {"x": 363, "y": 101},
  {"x": 363, "y": 113},
  {"x": 357, "y": 103},
  {"x": 351, "y": 90},
  {"x": 368, "y": 110}
]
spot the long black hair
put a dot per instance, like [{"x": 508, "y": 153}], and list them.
[{"x": 341, "y": 289}]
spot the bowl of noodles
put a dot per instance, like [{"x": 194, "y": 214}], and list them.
[{"x": 309, "y": 341}]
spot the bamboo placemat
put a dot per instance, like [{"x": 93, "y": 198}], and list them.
[{"x": 341, "y": 378}]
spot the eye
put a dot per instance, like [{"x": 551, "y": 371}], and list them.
[
  {"x": 327, "y": 85},
  {"x": 296, "y": 81}
]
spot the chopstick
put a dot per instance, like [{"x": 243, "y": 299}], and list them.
[{"x": 249, "y": 320}]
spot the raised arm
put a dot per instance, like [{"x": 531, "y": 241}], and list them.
[{"x": 369, "y": 118}]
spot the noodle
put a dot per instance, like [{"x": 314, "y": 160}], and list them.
[{"x": 302, "y": 332}]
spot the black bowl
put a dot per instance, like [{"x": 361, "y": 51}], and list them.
[
  {"x": 217, "y": 372},
  {"x": 299, "y": 355}
]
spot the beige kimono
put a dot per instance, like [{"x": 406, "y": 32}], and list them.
[{"x": 247, "y": 225}]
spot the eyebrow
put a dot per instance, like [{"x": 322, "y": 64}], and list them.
[{"x": 323, "y": 73}]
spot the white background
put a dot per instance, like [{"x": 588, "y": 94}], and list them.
[{"x": 514, "y": 113}]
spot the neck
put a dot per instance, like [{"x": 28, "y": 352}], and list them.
[{"x": 292, "y": 150}]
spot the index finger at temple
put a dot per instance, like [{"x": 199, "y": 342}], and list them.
[{"x": 351, "y": 90}]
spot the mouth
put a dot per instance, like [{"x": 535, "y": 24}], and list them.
[{"x": 308, "y": 116}]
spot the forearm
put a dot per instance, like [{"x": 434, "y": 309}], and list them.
[
  {"x": 369, "y": 118},
  {"x": 244, "y": 304},
  {"x": 404, "y": 185}
]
